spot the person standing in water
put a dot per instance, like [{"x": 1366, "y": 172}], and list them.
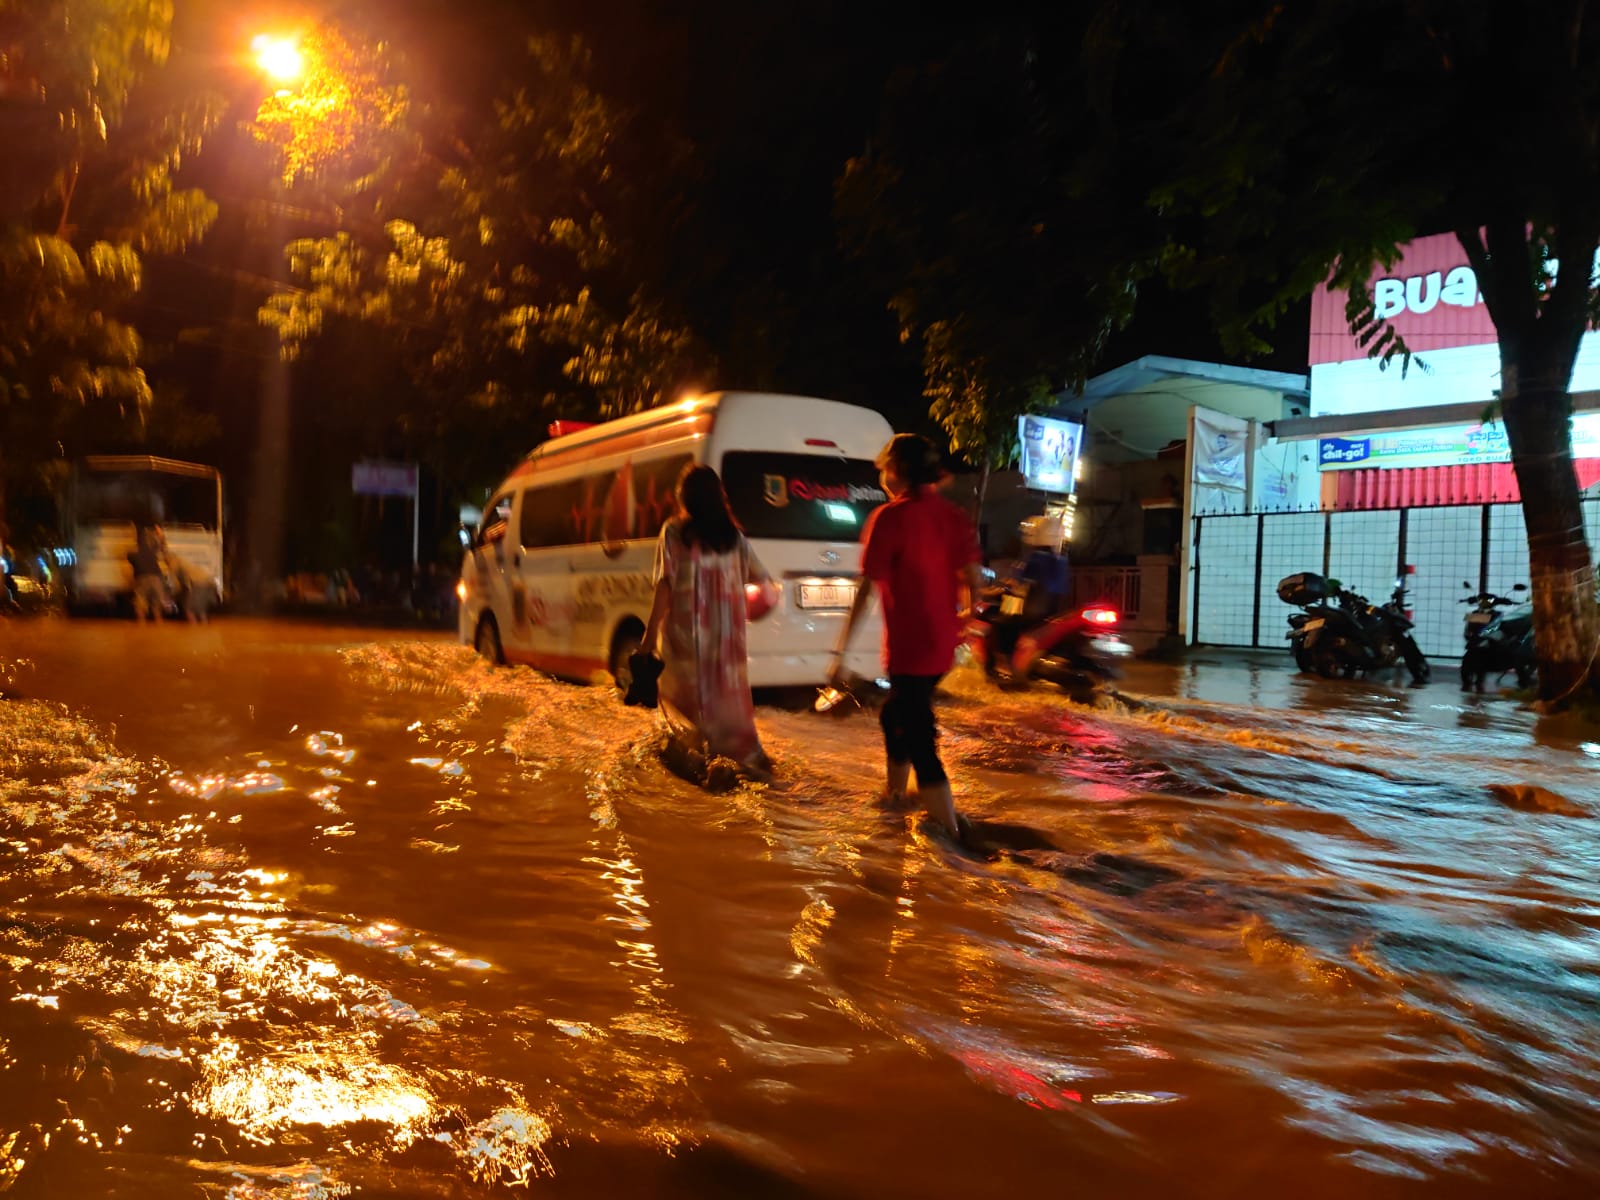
[
  {"x": 149, "y": 561},
  {"x": 703, "y": 567},
  {"x": 920, "y": 553}
]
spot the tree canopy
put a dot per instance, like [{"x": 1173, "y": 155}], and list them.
[
  {"x": 966, "y": 205},
  {"x": 498, "y": 254},
  {"x": 1286, "y": 148},
  {"x": 95, "y": 135}
]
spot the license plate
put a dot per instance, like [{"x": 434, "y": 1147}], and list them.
[
  {"x": 1310, "y": 625},
  {"x": 827, "y": 593},
  {"x": 1479, "y": 618},
  {"x": 1010, "y": 606},
  {"x": 1112, "y": 646}
]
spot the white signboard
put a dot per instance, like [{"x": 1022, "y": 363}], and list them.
[{"x": 372, "y": 478}]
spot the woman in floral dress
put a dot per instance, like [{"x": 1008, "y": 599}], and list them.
[{"x": 703, "y": 567}]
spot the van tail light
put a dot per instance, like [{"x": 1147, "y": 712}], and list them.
[
  {"x": 824, "y": 442},
  {"x": 1100, "y": 616}
]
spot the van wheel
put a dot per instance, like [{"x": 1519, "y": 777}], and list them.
[
  {"x": 487, "y": 641},
  {"x": 627, "y": 643}
]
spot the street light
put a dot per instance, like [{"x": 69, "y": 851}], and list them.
[{"x": 279, "y": 58}]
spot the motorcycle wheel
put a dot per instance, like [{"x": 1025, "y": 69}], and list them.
[
  {"x": 1526, "y": 676},
  {"x": 1326, "y": 662},
  {"x": 1416, "y": 663},
  {"x": 1303, "y": 660},
  {"x": 1470, "y": 677}
]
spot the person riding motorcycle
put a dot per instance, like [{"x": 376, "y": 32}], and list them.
[{"x": 1036, "y": 591}]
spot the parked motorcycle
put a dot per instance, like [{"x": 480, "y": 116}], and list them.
[
  {"x": 1499, "y": 638},
  {"x": 1319, "y": 599},
  {"x": 1345, "y": 634},
  {"x": 1076, "y": 650}
]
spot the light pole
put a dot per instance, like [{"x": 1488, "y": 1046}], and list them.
[{"x": 283, "y": 65}]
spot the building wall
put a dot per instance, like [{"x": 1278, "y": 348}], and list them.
[{"x": 1139, "y": 425}]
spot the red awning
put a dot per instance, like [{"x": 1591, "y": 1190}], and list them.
[{"x": 1428, "y": 487}]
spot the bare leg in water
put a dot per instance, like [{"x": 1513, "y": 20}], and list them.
[
  {"x": 898, "y": 783},
  {"x": 937, "y": 800}
]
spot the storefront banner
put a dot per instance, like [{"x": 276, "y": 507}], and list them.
[
  {"x": 1447, "y": 446},
  {"x": 1049, "y": 453},
  {"x": 1219, "y": 450},
  {"x": 1430, "y": 297}
]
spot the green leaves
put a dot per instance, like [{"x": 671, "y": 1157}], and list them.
[
  {"x": 490, "y": 260},
  {"x": 96, "y": 128},
  {"x": 971, "y": 212},
  {"x": 636, "y": 362},
  {"x": 346, "y": 117}
]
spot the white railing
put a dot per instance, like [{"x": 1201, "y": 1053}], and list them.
[{"x": 1115, "y": 586}]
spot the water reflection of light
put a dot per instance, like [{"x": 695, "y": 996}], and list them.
[
  {"x": 1135, "y": 1098},
  {"x": 265, "y": 878},
  {"x": 506, "y": 1147},
  {"x": 905, "y": 904},
  {"x": 976, "y": 981},
  {"x": 309, "y": 1087},
  {"x": 805, "y": 939},
  {"x": 627, "y": 882},
  {"x": 1592, "y": 749},
  {"x": 331, "y": 745}
]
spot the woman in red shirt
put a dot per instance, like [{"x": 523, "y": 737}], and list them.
[{"x": 920, "y": 552}]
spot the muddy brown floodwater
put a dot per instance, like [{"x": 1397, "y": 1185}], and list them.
[{"x": 296, "y": 912}]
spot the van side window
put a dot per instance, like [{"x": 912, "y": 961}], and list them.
[
  {"x": 496, "y": 521},
  {"x": 570, "y": 513},
  {"x": 598, "y": 509},
  {"x": 655, "y": 485}
]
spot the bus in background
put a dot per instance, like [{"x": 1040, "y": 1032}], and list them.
[
  {"x": 108, "y": 497},
  {"x": 558, "y": 573}
]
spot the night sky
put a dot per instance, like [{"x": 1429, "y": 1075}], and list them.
[{"x": 773, "y": 98}]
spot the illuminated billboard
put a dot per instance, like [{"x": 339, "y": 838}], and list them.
[{"x": 1049, "y": 453}]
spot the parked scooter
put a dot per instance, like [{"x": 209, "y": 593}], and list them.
[
  {"x": 1345, "y": 634},
  {"x": 1499, "y": 638},
  {"x": 1076, "y": 650}
]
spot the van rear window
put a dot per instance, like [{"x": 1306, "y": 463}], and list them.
[{"x": 808, "y": 497}]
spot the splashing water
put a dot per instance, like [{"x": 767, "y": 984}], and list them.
[{"x": 282, "y": 916}]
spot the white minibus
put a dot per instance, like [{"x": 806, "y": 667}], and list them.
[
  {"x": 557, "y": 574},
  {"x": 108, "y": 496}
]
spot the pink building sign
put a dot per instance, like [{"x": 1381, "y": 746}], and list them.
[{"x": 1430, "y": 297}]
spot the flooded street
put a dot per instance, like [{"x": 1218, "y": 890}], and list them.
[{"x": 297, "y": 912}]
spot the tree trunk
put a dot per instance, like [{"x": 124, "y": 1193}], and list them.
[
  {"x": 978, "y": 496},
  {"x": 1537, "y": 412}
]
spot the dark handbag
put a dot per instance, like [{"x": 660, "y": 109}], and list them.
[{"x": 646, "y": 670}]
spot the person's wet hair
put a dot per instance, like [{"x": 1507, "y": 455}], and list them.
[
  {"x": 914, "y": 457},
  {"x": 707, "y": 520}
]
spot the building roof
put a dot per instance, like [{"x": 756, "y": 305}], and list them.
[
  {"x": 1136, "y": 410},
  {"x": 1153, "y": 368}
]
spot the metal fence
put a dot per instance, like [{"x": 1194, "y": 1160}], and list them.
[
  {"x": 1238, "y": 559},
  {"x": 1116, "y": 586}
]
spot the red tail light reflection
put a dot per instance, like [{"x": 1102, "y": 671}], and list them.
[{"x": 1100, "y": 616}]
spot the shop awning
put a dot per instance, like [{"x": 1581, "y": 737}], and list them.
[{"x": 1300, "y": 429}]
